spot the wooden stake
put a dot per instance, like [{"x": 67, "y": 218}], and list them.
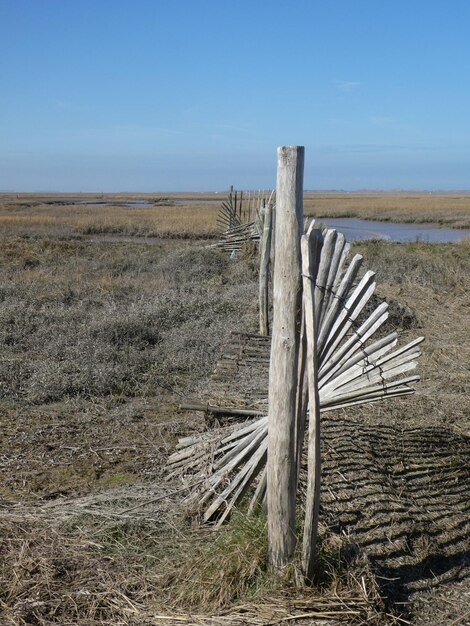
[
  {"x": 281, "y": 473},
  {"x": 302, "y": 383},
  {"x": 265, "y": 252},
  {"x": 311, "y": 243}
]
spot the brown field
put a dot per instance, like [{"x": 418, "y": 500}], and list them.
[
  {"x": 99, "y": 342},
  {"x": 177, "y": 215},
  {"x": 438, "y": 208},
  {"x": 52, "y": 216}
]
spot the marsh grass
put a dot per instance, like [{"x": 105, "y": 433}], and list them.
[
  {"x": 97, "y": 342},
  {"x": 205, "y": 570},
  {"x": 215, "y": 569},
  {"x": 438, "y": 208},
  {"x": 89, "y": 320},
  {"x": 32, "y": 218},
  {"x": 432, "y": 281},
  {"x": 442, "y": 268},
  {"x": 87, "y": 573},
  {"x": 66, "y": 216},
  {"x": 78, "y": 575}
]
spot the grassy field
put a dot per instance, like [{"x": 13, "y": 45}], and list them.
[
  {"x": 437, "y": 208},
  {"x": 100, "y": 341},
  {"x": 52, "y": 217},
  {"x": 194, "y": 215}
]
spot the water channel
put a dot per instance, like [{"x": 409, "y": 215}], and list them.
[{"x": 355, "y": 229}]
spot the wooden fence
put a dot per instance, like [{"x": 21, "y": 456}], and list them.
[
  {"x": 323, "y": 357},
  {"x": 241, "y": 218}
]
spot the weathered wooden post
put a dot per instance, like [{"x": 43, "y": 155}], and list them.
[
  {"x": 311, "y": 245},
  {"x": 287, "y": 290},
  {"x": 265, "y": 254}
]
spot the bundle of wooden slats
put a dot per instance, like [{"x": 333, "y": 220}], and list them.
[
  {"x": 240, "y": 218},
  {"x": 229, "y": 213},
  {"x": 238, "y": 236},
  {"x": 352, "y": 368}
]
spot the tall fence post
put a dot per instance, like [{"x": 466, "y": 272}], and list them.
[{"x": 287, "y": 291}]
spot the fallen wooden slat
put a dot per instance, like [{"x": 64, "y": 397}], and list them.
[
  {"x": 354, "y": 343},
  {"x": 207, "y": 408},
  {"x": 345, "y": 285},
  {"x": 348, "y": 313},
  {"x": 332, "y": 275},
  {"x": 323, "y": 271}
]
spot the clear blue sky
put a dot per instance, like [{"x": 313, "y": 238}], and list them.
[{"x": 153, "y": 95}]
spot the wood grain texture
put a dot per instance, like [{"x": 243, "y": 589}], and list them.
[
  {"x": 311, "y": 244},
  {"x": 282, "y": 471},
  {"x": 265, "y": 257}
]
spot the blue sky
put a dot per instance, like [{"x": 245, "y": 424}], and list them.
[{"x": 162, "y": 95}]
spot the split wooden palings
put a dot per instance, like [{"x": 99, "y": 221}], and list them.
[
  {"x": 221, "y": 465},
  {"x": 241, "y": 218}
]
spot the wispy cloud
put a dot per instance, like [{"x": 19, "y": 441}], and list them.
[
  {"x": 364, "y": 148},
  {"x": 236, "y": 129},
  {"x": 61, "y": 104},
  {"x": 347, "y": 86},
  {"x": 144, "y": 130},
  {"x": 382, "y": 120},
  {"x": 379, "y": 148}
]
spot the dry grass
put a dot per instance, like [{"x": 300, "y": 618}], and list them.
[
  {"x": 51, "y": 577},
  {"x": 87, "y": 573},
  {"x": 97, "y": 341},
  {"x": 194, "y": 215},
  {"x": 94, "y": 336},
  {"x": 35, "y": 217},
  {"x": 215, "y": 570},
  {"x": 434, "y": 282},
  {"x": 439, "y": 208},
  {"x": 115, "y": 319}
]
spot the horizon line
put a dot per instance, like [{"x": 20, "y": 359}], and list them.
[{"x": 225, "y": 190}]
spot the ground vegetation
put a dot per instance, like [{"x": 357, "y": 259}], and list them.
[{"x": 99, "y": 343}]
